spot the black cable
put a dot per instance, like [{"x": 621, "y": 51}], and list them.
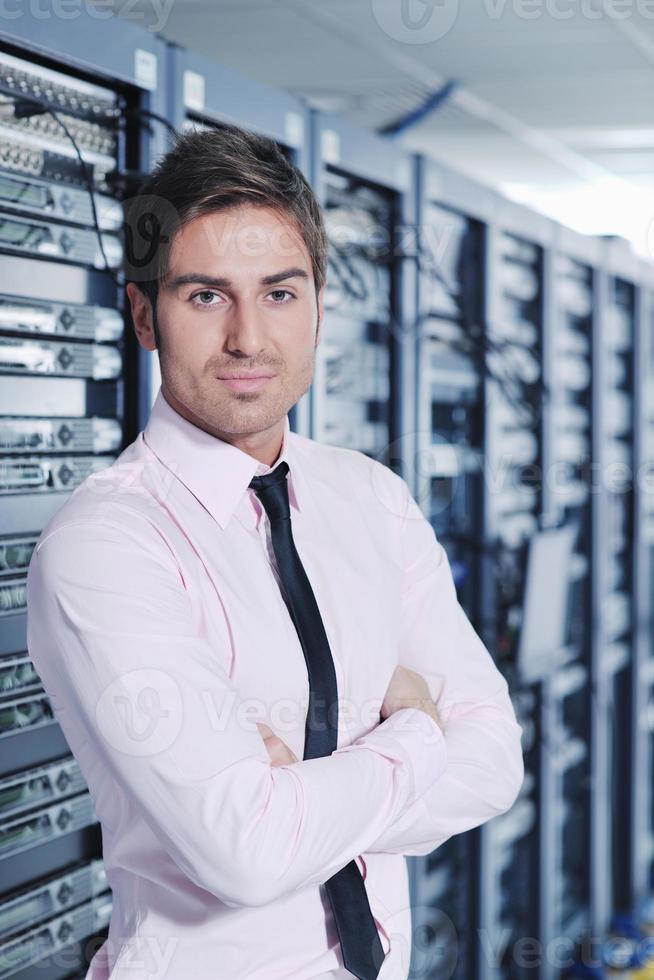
[
  {"x": 148, "y": 114},
  {"x": 479, "y": 338},
  {"x": 479, "y": 342},
  {"x": 476, "y": 342},
  {"x": 353, "y": 283},
  {"x": 353, "y": 279},
  {"x": 342, "y": 285},
  {"x": 26, "y": 106}
]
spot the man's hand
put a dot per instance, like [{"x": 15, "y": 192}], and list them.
[
  {"x": 408, "y": 689},
  {"x": 279, "y": 752}
]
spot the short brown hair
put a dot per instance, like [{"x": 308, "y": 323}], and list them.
[{"x": 208, "y": 170}]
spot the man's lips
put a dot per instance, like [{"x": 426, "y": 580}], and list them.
[{"x": 245, "y": 382}]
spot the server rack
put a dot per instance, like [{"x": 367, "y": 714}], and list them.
[
  {"x": 479, "y": 392},
  {"x": 70, "y": 401},
  {"x": 612, "y": 659},
  {"x": 523, "y": 397},
  {"x": 448, "y": 388},
  {"x": 485, "y": 311},
  {"x": 572, "y": 272},
  {"x": 362, "y": 182},
  {"x": 516, "y": 311},
  {"x": 202, "y": 93},
  {"x": 642, "y": 720}
]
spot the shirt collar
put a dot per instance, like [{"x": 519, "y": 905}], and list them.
[{"x": 216, "y": 472}]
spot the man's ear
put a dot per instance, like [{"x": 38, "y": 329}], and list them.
[
  {"x": 321, "y": 311},
  {"x": 142, "y": 319}
]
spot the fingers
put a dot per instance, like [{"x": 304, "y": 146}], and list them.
[
  {"x": 409, "y": 689},
  {"x": 279, "y": 752},
  {"x": 265, "y": 731}
]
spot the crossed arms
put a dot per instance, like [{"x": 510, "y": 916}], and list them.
[{"x": 237, "y": 825}]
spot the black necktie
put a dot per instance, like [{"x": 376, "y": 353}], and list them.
[{"x": 363, "y": 953}]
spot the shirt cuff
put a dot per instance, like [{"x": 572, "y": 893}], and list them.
[{"x": 413, "y": 737}]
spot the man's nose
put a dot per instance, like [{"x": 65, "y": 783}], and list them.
[{"x": 245, "y": 328}]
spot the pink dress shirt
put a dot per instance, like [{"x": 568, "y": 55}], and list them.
[{"x": 157, "y": 626}]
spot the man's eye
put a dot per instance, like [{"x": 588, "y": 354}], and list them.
[
  {"x": 282, "y": 292},
  {"x": 204, "y": 293}
]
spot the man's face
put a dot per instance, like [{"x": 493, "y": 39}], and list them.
[{"x": 238, "y": 298}]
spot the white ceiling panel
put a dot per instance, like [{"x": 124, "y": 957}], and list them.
[{"x": 544, "y": 99}]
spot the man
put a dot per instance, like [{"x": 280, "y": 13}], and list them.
[{"x": 252, "y": 640}]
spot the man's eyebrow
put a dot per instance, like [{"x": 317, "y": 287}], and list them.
[{"x": 220, "y": 282}]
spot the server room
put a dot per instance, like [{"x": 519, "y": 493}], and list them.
[{"x": 463, "y": 407}]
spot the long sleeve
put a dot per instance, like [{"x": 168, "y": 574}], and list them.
[
  {"x": 485, "y": 768},
  {"x": 147, "y": 705}
]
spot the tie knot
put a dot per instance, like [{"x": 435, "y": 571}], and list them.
[{"x": 272, "y": 491}]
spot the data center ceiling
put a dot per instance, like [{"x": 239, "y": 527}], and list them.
[{"x": 552, "y": 102}]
